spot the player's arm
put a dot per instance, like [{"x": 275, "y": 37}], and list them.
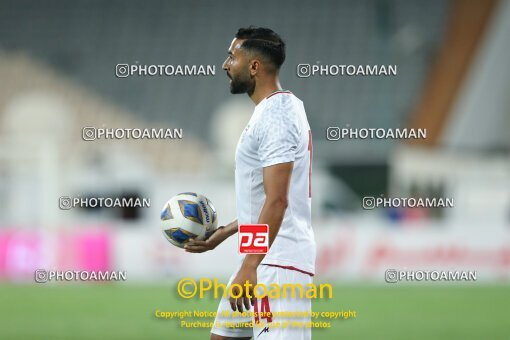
[
  {"x": 276, "y": 187},
  {"x": 219, "y": 235}
]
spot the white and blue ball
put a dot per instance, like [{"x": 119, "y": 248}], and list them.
[{"x": 188, "y": 216}]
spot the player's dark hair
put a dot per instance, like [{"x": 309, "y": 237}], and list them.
[{"x": 265, "y": 42}]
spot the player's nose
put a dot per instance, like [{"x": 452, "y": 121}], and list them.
[{"x": 225, "y": 65}]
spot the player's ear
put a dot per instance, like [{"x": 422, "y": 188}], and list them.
[{"x": 254, "y": 67}]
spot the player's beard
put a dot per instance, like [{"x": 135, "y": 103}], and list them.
[{"x": 242, "y": 84}]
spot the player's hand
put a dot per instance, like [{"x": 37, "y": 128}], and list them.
[
  {"x": 195, "y": 246},
  {"x": 245, "y": 280}
]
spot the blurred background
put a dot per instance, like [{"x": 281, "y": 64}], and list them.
[{"x": 57, "y": 76}]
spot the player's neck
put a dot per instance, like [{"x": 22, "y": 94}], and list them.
[{"x": 264, "y": 90}]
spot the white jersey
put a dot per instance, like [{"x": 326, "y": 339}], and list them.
[{"x": 278, "y": 132}]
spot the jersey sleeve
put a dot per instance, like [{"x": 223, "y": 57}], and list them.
[{"x": 278, "y": 135}]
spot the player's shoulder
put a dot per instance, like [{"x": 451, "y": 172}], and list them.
[
  {"x": 281, "y": 97},
  {"x": 280, "y": 112},
  {"x": 281, "y": 102}
]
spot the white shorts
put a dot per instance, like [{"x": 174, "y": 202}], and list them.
[{"x": 268, "y": 326}]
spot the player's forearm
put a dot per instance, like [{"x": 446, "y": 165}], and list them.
[
  {"x": 225, "y": 232},
  {"x": 272, "y": 214},
  {"x": 231, "y": 228}
]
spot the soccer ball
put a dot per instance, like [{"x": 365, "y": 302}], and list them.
[{"x": 188, "y": 215}]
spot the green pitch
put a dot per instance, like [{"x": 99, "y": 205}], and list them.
[{"x": 72, "y": 311}]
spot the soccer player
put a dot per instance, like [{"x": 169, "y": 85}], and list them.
[{"x": 273, "y": 186}]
